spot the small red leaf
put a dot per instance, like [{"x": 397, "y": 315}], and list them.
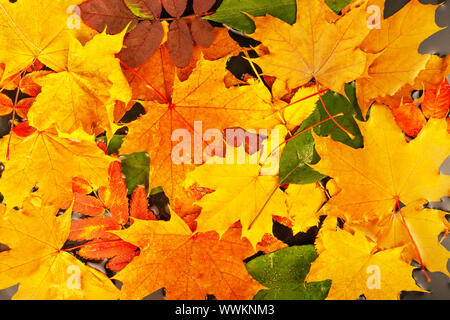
[
  {"x": 179, "y": 42},
  {"x": 141, "y": 43},
  {"x": 6, "y": 105},
  {"x": 23, "y": 106},
  {"x": 110, "y": 14},
  {"x": 80, "y": 185},
  {"x": 202, "y": 32},
  {"x": 117, "y": 263},
  {"x": 28, "y": 83},
  {"x": 202, "y": 6},
  {"x": 409, "y": 118},
  {"x": 139, "y": 205},
  {"x": 436, "y": 102},
  {"x": 87, "y": 205},
  {"x": 115, "y": 195},
  {"x": 36, "y": 66},
  {"x": 103, "y": 249},
  {"x": 175, "y": 7},
  {"x": 92, "y": 228},
  {"x": 23, "y": 129}
]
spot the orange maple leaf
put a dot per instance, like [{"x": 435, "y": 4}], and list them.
[{"x": 189, "y": 265}]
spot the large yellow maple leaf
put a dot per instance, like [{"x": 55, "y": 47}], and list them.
[
  {"x": 83, "y": 95},
  {"x": 320, "y": 45},
  {"x": 393, "y": 48},
  {"x": 355, "y": 268},
  {"x": 237, "y": 183},
  {"x": 188, "y": 265},
  {"x": 50, "y": 162},
  {"x": 201, "y": 103},
  {"x": 36, "y": 29},
  {"x": 388, "y": 169},
  {"x": 35, "y": 260}
]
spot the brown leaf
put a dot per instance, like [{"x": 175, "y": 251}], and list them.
[
  {"x": 175, "y": 7},
  {"x": 202, "y": 6},
  {"x": 112, "y": 14},
  {"x": 179, "y": 42},
  {"x": 202, "y": 32},
  {"x": 141, "y": 43}
]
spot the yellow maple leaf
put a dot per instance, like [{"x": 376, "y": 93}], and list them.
[
  {"x": 50, "y": 162},
  {"x": 387, "y": 169},
  {"x": 35, "y": 236},
  {"x": 84, "y": 94},
  {"x": 393, "y": 47},
  {"x": 36, "y": 29},
  {"x": 236, "y": 183},
  {"x": 189, "y": 266},
  {"x": 355, "y": 268},
  {"x": 320, "y": 45}
]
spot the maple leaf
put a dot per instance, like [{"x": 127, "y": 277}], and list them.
[
  {"x": 284, "y": 272},
  {"x": 418, "y": 228},
  {"x": 160, "y": 71},
  {"x": 83, "y": 95},
  {"x": 244, "y": 106},
  {"x": 351, "y": 262},
  {"x": 236, "y": 183},
  {"x": 393, "y": 49},
  {"x": 35, "y": 29},
  {"x": 387, "y": 169},
  {"x": 35, "y": 236},
  {"x": 314, "y": 47},
  {"x": 200, "y": 263},
  {"x": 50, "y": 162}
]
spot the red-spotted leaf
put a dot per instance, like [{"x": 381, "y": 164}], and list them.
[
  {"x": 180, "y": 44},
  {"x": 436, "y": 102},
  {"x": 147, "y": 9},
  {"x": 175, "y": 7},
  {"x": 202, "y": 32},
  {"x": 110, "y": 14},
  {"x": 202, "y": 6},
  {"x": 141, "y": 43}
]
